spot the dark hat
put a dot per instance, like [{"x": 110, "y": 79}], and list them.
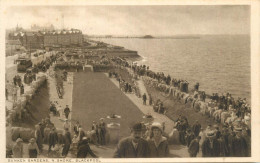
[{"x": 137, "y": 127}]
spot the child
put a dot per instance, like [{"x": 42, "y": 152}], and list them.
[{"x": 74, "y": 145}]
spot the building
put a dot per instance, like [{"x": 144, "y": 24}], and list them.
[
  {"x": 32, "y": 40},
  {"x": 63, "y": 38},
  {"x": 15, "y": 43},
  {"x": 43, "y": 39}
]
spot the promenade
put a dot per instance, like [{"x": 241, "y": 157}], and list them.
[
  {"x": 91, "y": 96},
  {"x": 175, "y": 150}
]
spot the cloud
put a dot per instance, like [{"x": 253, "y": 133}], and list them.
[{"x": 137, "y": 20}]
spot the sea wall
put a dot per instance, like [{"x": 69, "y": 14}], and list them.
[
  {"x": 123, "y": 53},
  {"x": 20, "y": 111},
  {"x": 190, "y": 105}
]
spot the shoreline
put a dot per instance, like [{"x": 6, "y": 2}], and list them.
[
  {"x": 206, "y": 108},
  {"x": 207, "y": 90},
  {"x": 191, "y": 89}
]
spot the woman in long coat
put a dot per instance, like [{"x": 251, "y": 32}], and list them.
[{"x": 158, "y": 145}]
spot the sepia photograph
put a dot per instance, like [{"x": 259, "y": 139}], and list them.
[{"x": 128, "y": 81}]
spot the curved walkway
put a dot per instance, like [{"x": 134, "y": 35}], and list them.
[
  {"x": 175, "y": 150},
  {"x": 147, "y": 109}
]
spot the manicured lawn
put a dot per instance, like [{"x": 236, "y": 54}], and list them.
[
  {"x": 95, "y": 96},
  {"x": 175, "y": 108}
]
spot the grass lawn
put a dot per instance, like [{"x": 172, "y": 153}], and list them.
[
  {"x": 124, "y": 74},
  {"x": 95, "y": 96},
  {"x": 175, "y": 108}
]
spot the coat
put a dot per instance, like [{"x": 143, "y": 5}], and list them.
[
  {"x": 42, "y": 127},
  {"x": 81, "y": 135},
  {"x": 102, "y": 126},
  {"x": 207, "y": 151},
  {"x": 17, "y": 151},
  {"x": 67, "y": 138},
  {"x": 161, "y": 151},
  {"x": 194, "y": 147},
  {"x": 53, "y": 138},
  {"x": 33, "y": 150},
  {"x": 196, "y": 129},
  {"x": 144, "y": 97},
  {"x": 174, "y": 137},
  {"x": 189, "y": 138},
  {"x": 239, "y": 147},
  {"x": 203, "y": 137},
  {"x": 223, "y": 148},
  {"x": 125, "y": 149},
  {"x": 67, "y": 110},
  {"x": 84, "y": 149},
  {"x": 76, "y": 129},
  {"x": 39, "y": 139}
]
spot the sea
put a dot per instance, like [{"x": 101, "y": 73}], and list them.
[{"x": 220, "y": 63}]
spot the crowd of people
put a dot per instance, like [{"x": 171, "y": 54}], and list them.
[
  {"x": 221, "y": 140},
  {"x": 214, "y": 141},
  {"x": 125, "y": 86},
  {"x": 29, "y": 77},
  {"x": 230, "y": 139},
  {"x": 210, "y": 142},
  {"x": 14, "y": 87},
  {"x": 224, "y": 102},
  {"x": 59, "y": 141},
  {"x": 98, "y": 136},
  {"x": 227, "y": 102},
  {"x": 136, "y": 146}
]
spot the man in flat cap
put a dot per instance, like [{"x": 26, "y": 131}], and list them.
[
  {"x": 210, "y": 146},
  {"x": 133, "y": 146},
  {"x": 239, "y": 147}
]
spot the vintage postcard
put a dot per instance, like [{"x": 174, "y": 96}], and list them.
[{"x": 130, "y": 81}]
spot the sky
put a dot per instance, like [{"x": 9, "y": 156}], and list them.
[{"x": 136, "y": 20}]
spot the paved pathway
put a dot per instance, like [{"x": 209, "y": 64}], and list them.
[
  {"x": 102, "y": 151},
  {"x": 66, "y": 100},
  {"x": 175, "y": 150},
  {"x": 147, "y": 109}
]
